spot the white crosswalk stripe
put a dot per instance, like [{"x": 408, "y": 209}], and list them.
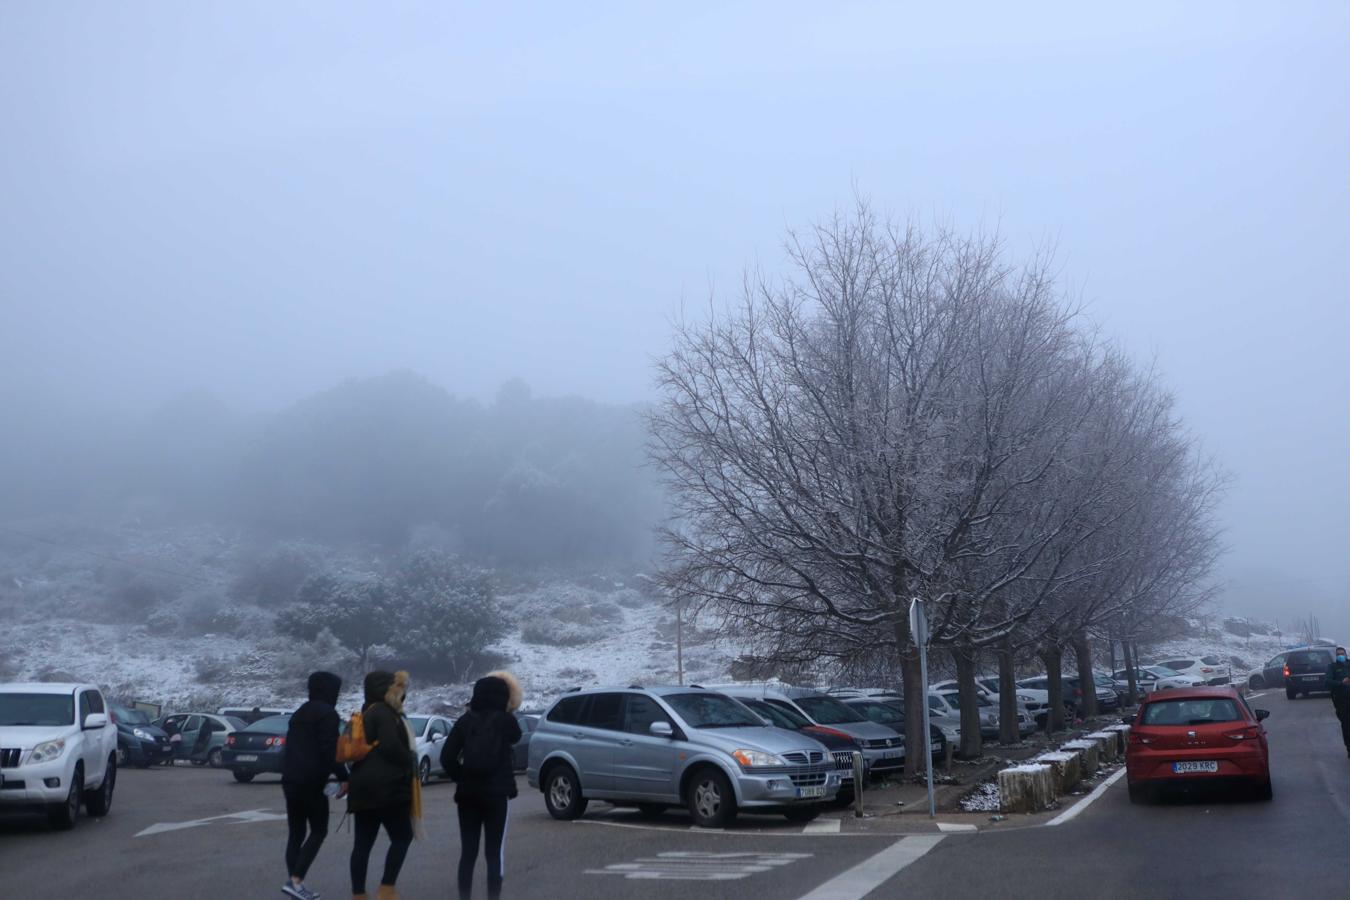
[{"x": 691, "y": 866}]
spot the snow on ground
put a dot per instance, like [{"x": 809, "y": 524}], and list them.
[{"x": 985, "y": 798}]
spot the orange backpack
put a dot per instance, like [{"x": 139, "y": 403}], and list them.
[{"x": 352, "y": 746}]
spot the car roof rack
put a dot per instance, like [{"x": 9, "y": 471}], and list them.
[
  {"x": 635, "y": 687},
  {"x": 699, "y": 686},
  {"x": 572, "y": 690}
]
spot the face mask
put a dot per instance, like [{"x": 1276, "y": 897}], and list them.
[{"x": 1341, "y": 658}]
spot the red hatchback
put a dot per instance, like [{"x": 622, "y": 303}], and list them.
[{"x": 1197, "y": 735}]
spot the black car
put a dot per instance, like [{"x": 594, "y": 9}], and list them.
[
  {"x": 259, "y": 748},
  {"x": 139, "y": 742},
  {"x": 1305, "y": 672},
  {"x": 840, "y": 745}
]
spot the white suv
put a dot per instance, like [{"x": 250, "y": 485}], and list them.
[{"x": 57, "y": 750}]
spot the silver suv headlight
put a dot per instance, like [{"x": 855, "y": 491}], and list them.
[
  {"x": 46, "y": 752},
  {"x": 752, "y": 759}
]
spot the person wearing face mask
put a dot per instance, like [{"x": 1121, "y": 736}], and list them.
[{"x": 1338, "y": 682}]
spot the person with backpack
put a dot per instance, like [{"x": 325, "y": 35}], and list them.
[
  {"x": 477, "y": 755},
  {"x": 382, "y": 781},
  {"x": 310, "y": 760}
]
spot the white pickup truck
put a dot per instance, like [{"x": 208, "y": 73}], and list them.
[{"x": 57, "y": 750}]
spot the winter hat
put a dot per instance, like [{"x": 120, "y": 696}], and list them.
[
  {"x": 325, "y": 687},
  {"x": 377, "y": 684},
  {"x": 496, "y": 691}
]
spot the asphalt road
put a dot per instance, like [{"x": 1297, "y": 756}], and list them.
[{"x": 194, "y": 832}]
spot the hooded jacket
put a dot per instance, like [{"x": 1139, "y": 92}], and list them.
[
  {"x": 384, "y": 778},
  {"x": 491, "y": 717},
  {"x": 1337, "y": 672},
  {"x": 312, "y": 736}
]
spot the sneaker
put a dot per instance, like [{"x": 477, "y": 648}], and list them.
[{"x": 299, "y": 893}]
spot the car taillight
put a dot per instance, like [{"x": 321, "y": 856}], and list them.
[
  {"x": 229, "y": 741},
  {"x": 1206, "y": 669},
  {"x": 1286, "y": 671},
  {"x": 275, "y": 742},
  {"x": 1250, "y": 733}
]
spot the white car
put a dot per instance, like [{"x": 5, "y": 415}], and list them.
[
  {"x": 1209, "y": 669},
  {"x": 1029, "y": 700},
  {"x": 1159, "y": 678},
  {"x": 58, "y": 750},
  {"x": 431, "y": 732}
]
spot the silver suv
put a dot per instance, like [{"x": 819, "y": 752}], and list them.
[
  {"x": 883, "y": 748},
  {"x": 658, "y": 747}
]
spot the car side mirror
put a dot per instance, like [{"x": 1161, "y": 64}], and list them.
[
  {"x": 95, "y": 721},
  {"x": 1262, "y": 715},
  {"x": 661, "y": 729}
]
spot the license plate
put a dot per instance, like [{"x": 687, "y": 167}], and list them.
[
  {"x": 807, "y": 793},
  {"x": 892, "y": 754},
  {"x": 1312, "y": 677},
  {"x": 1183, "y": 768},
  {"x": 246, "y": 757}
]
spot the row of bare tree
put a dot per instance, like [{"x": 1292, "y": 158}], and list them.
[{"x": 907, "y": 415}]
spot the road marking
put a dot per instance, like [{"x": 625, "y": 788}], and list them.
[
  {"x": 1072, "y": 812},
  {"x": 823, "y": 826},
  {"x": 1257, "y": 696},
  {"x": 875, "y": 871},
  {"x": 956, "y": 827},
  {"x": 240, "y": 818},
  {"x": 694, "y": 866}
]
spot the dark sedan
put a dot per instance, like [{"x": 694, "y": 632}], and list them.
[
  {"x": 891, "y": 713},
  {"x": 257, "y": 749},
  {"x": 139, "y": 742}
]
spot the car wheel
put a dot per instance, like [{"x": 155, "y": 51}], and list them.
[
  {"x": 121, "y": 756},
  {"x": 100, "y": 801},
  {"x": 802, "y": 814},
  {"x": 243, "y": 777},
  {"x": 562, "y": 794},
  {"x": 1290, "y": 693},
  {"x": 711, "y": 802},
  {"x": 1265, "y": 791},
  {"x": 424, "y": 771},
  {"x": 651, "y": 810},
  {"x": 62, "y": 816},
  {"x": 1139, "y": 793},
  {"x": 1256, "y": 683},
  {"x": 213, "y": 758}
]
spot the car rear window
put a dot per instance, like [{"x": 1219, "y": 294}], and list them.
[
  {"x": 1310, "y": 658},
  {"x": 1192, "y": 712},
  {"x": 1211, "y": 660},
  {"x": 271, "y": 725}
]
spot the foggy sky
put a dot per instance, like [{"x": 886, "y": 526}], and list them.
[{"x": 263, "y": 199}]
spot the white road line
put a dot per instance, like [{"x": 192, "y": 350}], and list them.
[
  {"x": 875, "y": 871},
  {"x": 1073, "y": 811},
  {"x": 823, "y": 826}
]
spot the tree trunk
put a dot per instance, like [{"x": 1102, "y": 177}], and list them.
[
  {"x": 1008, "y": 732},
  {"x": 1053, "y": 657},
  {"x": 1087, "y": 708},
  {"x": 1131, "y": 674},
  {"x": 972, "y": 742},
  {"x": 916, "y": 701}
]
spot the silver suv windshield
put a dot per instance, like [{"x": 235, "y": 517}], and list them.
[
  {"x": 712, "y": 711},
  {"x": 828, "y": 711},
  {"x": 42, "y": 710}
]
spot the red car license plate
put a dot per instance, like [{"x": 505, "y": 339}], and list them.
[{"x": 1186, "y": 768}]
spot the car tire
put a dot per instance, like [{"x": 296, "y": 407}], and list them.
[
  {"x": 98, "y": 802},
  {"x": 1290, "y": 694},
  {"x": 62, "y": 816},
  {"x": 424, "y": 771},
  {"x": 243, "y": 777},
  {"x": 1265, "y": 791},
  {"x": 710, "y": 799},
  {"x": 801, "y": 814},
  {"x": 213, "y": 759},
  {"x": 121, "y": 756},
  {"x": 651, "y": 810},
  {"x": 1256, "y": 683},
  {"x": 562, "y": 794},
  {"x": 1139, "y": 793}
]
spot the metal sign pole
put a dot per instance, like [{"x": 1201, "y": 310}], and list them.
[{"x": 918, "y": 626}]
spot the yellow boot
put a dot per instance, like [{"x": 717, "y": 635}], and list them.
[{"x": 386, "y": 892}]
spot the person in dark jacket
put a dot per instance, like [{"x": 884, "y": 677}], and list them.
[
  {"x": 477, "y": 755},
  {"x": 382, "y": 784},
  {"x": 310, "y": 760},
  {"x": 1338, "y": 682}
]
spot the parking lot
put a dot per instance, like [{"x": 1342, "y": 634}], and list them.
[{"x": 195, "y": 831}]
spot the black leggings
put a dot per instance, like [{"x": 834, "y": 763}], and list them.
[
  {"x": 397, "y": 822},
  {"x": 1343, "y": 713},
  {"x": 486, "y": 815},
  {"x": 307, "y": 820}
]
